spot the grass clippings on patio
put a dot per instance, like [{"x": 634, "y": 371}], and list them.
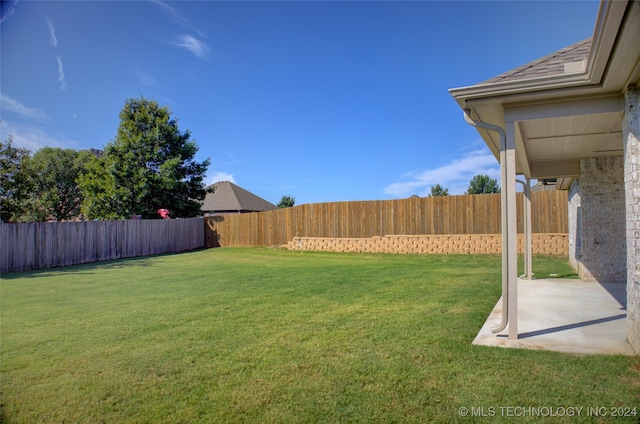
[{"x": 267, "y": 335}]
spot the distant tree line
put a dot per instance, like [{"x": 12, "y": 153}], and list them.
[
  {"x": 479, "y": 184},
  {"x": 149, "y": 166}
]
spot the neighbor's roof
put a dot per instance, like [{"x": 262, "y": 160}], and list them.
[
  {"x": 228, "y": 197},
  {"x": 557, "y": 63}
]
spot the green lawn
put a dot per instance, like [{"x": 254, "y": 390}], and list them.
[{"x": 268, "y": 335}]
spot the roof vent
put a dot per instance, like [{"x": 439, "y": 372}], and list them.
[{"x": 575, "y": 67}]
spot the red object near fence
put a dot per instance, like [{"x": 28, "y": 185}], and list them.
[{"x": 164, "y": 213}]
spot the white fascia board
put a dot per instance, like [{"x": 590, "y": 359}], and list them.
[
  {"x": 571, "y": 107},
  {"x": 503, "y": 89},
  {"x": 605, "y": 33}
]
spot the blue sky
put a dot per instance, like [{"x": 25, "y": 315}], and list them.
[{"x": 321, "y": 100}]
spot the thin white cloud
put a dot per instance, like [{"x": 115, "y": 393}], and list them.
[
  {"x": 7, "y": 9},
  {"x": 185, "y": 41},
  {"x": 52, "y": 32},
  {"x": 33, "y": 138},
  {"x": 144, "y": 77},
  {"x": 455, "y": 175},
  {"x": 61, "y": 80},
  {"x": 54, "y": 42},
  {"x": 220, "y": 176},
  {"x": 169, "y": 10},
  {"x": 195, "y": 46},
  {"x": 8, "y": 104},
  {"x": 166, "y": 8},
  {"x": 288, "y": 187}
]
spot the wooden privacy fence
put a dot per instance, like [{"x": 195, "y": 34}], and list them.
[
  {"x": 468, "y": 214},
  {"x": 51, "y": 244}
]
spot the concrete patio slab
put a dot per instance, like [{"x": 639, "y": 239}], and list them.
[{"x": 563, "y": 315}]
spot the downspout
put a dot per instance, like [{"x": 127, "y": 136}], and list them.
[{"x": 505, "y": 279}]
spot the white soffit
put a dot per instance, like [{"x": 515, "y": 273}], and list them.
[{"x": 570, "y": 138}]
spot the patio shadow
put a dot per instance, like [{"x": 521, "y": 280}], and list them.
[{"x": 568, "y": 326}]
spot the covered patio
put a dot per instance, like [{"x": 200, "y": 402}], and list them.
[
  {"x": 572, "y": 116},
  {"x": 565, "y": 315}
]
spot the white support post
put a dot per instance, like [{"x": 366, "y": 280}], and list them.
[
  {"x": 528, "y": 251},
  {"x": 510, "y": 219},
  {"x": 504, "y": 213},
  {"x": 526, "y": 214}
]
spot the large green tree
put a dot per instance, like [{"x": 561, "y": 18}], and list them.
[
  {"x": 54, "y": 190},
  {"x": 482, "y": 184},
  {"x": 150, "y": 165},
  {"x": 13, "y": 180}
]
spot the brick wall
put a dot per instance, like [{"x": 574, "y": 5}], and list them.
[
  {"x": 603, "y": 253},
  {"x": 631, "y": 138},
  {"x": 545, "y": 244}
]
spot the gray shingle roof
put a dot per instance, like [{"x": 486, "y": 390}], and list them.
[
  {"x": 553, "y": 64},
  {"x": 228, "y": 197}
]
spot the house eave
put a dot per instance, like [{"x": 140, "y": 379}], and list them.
[
  {"x": 610, "y": 18},
  {"x": 521, "y": 87},
  {"x": 545, "y": 109}
]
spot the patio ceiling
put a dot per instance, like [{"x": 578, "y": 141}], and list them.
[
  {"x": 567, "y": 106},
  {"x": 552, "y": 137},
  {"x": 572, "y": 138}
]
